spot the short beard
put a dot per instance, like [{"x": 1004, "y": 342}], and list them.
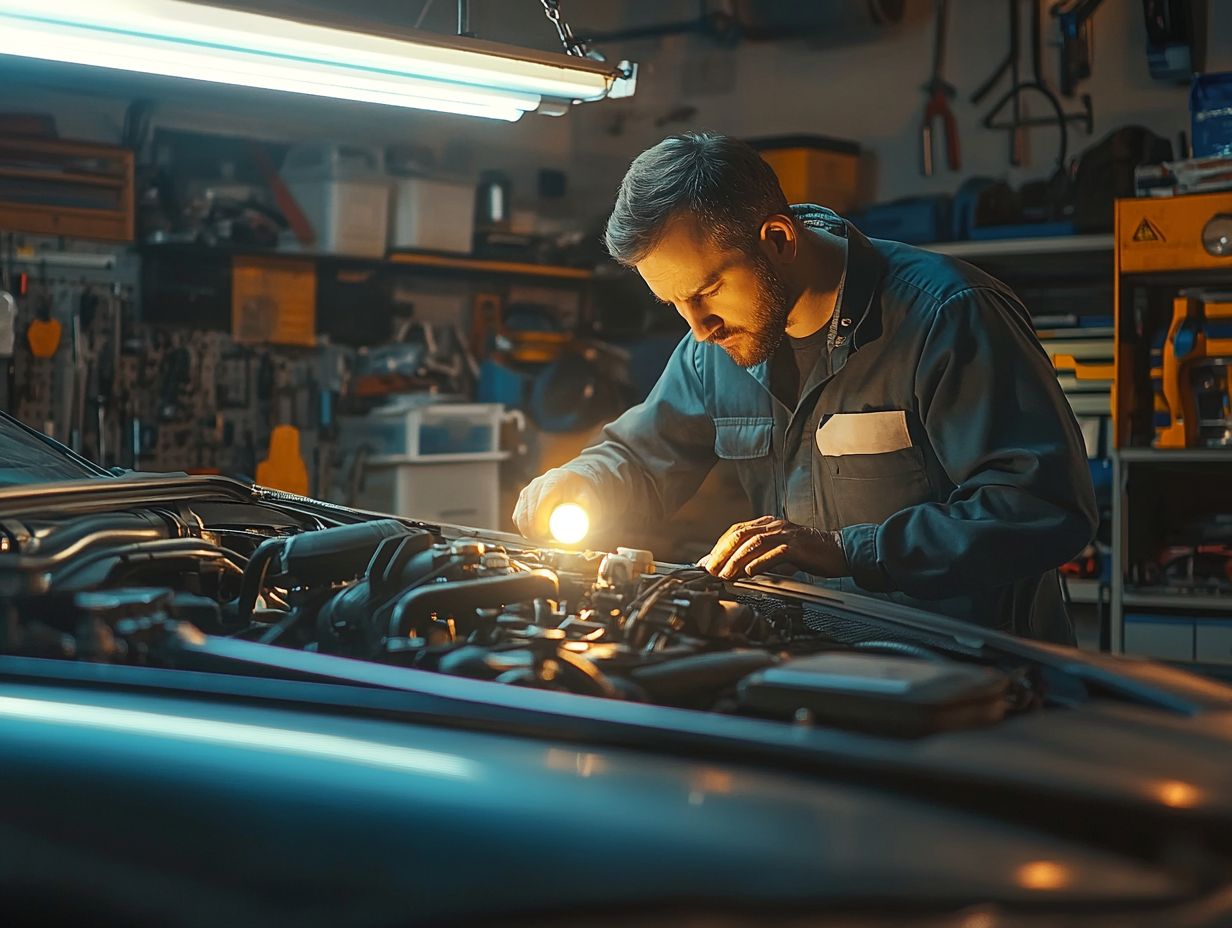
[{"x": 769, "y": 318}]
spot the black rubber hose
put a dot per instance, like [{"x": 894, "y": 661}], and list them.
[
  {"x": 900, "y": 649},
  {"x": 140, "y": 553},
  {"x": 700, "y": 676},
  {"x": 78, "y": 536},
  {"x": 254, "y": 576},
  {"x": 324, "y": 556},
  {"x": 469, "y": 595},
  {"x": 338, "y": 553},
  {"x": 592, "y": 680}
]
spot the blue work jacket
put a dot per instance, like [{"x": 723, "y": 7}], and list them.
[{"x": 941, "y": 445}]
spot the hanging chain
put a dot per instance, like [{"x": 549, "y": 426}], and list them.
[{"x": 551, "y": 9}]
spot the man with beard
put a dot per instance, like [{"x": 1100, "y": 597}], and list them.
[{"x": 889, "y": 410}]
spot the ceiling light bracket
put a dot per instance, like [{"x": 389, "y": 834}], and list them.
[
  {"x": 626, "y": 79},
  {"x": 572, "y": 44}
]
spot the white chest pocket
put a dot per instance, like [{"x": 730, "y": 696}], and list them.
[
  {"x": 864, "y": 433},
  {"x": 873, "y": 468}
]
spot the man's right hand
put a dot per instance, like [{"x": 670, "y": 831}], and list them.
[{"x": 545, "y": 493}]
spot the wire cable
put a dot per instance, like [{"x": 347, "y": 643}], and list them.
[{"x": 424, "y": 12}]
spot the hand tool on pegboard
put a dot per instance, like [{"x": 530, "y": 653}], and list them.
[
  {"x": 8, "y": 335},
  {"x": 940, "y": 92},
  {"x": 105, "y": 373},
  {"x": 8, "y": 338},
  {"x": 1013, "y": 99}
]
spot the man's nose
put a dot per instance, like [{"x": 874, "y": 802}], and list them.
[{"x": 702, "y": 325}]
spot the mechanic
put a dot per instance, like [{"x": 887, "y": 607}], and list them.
[{"x": 889, "y": 409}]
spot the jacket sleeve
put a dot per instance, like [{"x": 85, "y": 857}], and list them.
[
  {"x": 1002, "y": 429},
  {"x": 654, "y": 457}
]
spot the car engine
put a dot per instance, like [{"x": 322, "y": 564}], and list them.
[{"x": 157, "y": 586}]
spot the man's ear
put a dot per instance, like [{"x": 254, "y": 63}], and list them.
[{"x": 780, "y": 238}]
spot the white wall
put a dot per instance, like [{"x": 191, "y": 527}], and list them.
[{"x": 869, "y": 92}]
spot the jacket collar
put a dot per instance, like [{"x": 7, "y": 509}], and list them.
[{"x": 864, "y": 271}]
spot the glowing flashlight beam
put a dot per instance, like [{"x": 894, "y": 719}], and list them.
[{"x": 569, "y": 523}]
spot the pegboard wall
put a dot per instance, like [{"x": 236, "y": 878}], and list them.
[{"x": 158, "y": 398}]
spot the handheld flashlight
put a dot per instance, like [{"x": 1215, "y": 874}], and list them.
[{"x": 569, "y": 523}]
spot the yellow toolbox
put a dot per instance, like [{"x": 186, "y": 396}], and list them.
[
  {"x": 1161, "y": 243},
  {"x": 814, "y": 169},
  {"x": 1174, "y": 233}
]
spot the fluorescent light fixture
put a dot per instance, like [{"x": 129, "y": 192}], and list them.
[{"x": 189, "y": 40}]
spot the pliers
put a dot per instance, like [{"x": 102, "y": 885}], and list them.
[{"x": 938, "y": 105}]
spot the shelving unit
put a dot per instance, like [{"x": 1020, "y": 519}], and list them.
[
  {"x": 1159, "y": 251},
  {"x": 1203, "y": 602},
  {"x": 486, "y": 266},
  {"x": 54, "y": 187},
  {"x": 1019, "y": 247},
  {"x": 430, "y": 260},
  {"x": 1083, "y": 590},
  {"x": 1175, "y": 456},
  {"x": 190, "y": 284},
  {"x": 1062, "y": 276}
]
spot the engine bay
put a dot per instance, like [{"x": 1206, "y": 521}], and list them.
[{"x": 162, "y": 585}]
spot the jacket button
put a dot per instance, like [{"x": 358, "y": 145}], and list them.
[{"x": 844, "y": 322}]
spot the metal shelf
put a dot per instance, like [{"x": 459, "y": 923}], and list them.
[
  {"x": 484, "y": 265},
  {"x": 1044, "y": 245},
  {"x": 436, "y": 261},
  {"x": 1175, "y": 455},
  {"x": 1202, "y": 602},
  {"x": 1084, "y": 591}
]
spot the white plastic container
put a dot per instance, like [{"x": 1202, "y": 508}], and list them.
[
  {"x": 437, "y": 215},
  {"x": 343, "y": 192},
  {"x": 455, "y": 489},
  {"x": 428, "y": 430}
]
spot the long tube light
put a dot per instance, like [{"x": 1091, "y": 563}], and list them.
[{"x": 173, "y": 38}]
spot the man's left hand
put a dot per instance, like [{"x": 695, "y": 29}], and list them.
[{"x": 749, "y": 548}]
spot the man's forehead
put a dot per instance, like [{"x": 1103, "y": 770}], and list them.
[{"x": 683, "y": 260}]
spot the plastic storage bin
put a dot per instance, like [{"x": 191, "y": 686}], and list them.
[
  {"x": 464, "y": 490},
  {"x": 344, "y": 193},
  {"x": 436, "y": 215},
  {"x": 429, "y": 429}
]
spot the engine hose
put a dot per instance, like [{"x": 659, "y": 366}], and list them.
[
  {"x": 82, "y": 535},
  {"x": 143, "y": 552},
  {"x": 254, "y": 576},
  {"x": 901, "y": 648},
  {"x": 699, "y": 676},
  {"x": 324, "y": 556},
  {"x": 595, "y": 679},
  {"x": 469, "y": 595},
  {"x": 543, "y": 613},
  {"x": 340, "y": 553},
  {"x": 587, "y": 679}
]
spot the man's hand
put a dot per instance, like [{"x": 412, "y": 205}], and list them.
[
  {"x": 545, "y": 493},
  {"x": 749, "y": 548}
]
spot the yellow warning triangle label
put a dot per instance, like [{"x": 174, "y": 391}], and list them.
[{"x": 1146, "y": 232}]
